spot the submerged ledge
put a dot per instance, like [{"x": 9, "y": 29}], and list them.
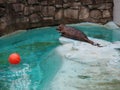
[{"x": 13, "y": 33}]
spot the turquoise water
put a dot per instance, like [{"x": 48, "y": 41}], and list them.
[{"x": 39, "y": 62}]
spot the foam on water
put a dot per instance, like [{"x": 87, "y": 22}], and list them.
[
  {"x": 21, "y": 78},
  {"x": 88, "y": 67}
]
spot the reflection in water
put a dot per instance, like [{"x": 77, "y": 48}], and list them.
[
  {"x": 23, "y": 77},
  {"x": 22, "y": 80}
]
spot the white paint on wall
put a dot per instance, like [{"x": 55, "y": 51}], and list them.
[{"x": 116, "y": 11}]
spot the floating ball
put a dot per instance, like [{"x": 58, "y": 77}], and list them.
[{"x": 14, "y": 58}]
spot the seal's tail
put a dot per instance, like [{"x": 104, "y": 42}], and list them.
[{"x": 93, "y": 43}]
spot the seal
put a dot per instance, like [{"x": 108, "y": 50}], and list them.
[{"x": 75, "y": 34}]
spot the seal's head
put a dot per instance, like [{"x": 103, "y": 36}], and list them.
[{"x": 60, "y": 27}]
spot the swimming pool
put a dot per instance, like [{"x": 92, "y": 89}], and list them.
[{"x": 40, "y": 62}]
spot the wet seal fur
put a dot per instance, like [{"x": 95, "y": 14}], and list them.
[{"x": 75, "y": 34}]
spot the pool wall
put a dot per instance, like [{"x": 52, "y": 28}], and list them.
[
  {"x": 116, "y": 16},
  {"x": 25, "y": 14}
]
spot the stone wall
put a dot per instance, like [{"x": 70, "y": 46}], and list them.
[{"x": 25, "y": 14}]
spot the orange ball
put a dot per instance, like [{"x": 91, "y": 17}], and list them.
[{"x": 14, "y": 58}]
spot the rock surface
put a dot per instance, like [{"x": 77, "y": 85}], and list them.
[
  {"x": 51, "y": 12},
  {"x": 87, "y": 67}
]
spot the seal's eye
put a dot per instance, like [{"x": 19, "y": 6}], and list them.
[{"x": 60, "y": 27}]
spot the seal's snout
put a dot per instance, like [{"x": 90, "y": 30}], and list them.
[{"x": 60, "y": 27}]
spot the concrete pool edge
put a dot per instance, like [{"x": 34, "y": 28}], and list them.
[{"x": 13, "y": 33}]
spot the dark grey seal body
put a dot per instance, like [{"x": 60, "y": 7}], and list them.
[{"x": 75, "y": 34}]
